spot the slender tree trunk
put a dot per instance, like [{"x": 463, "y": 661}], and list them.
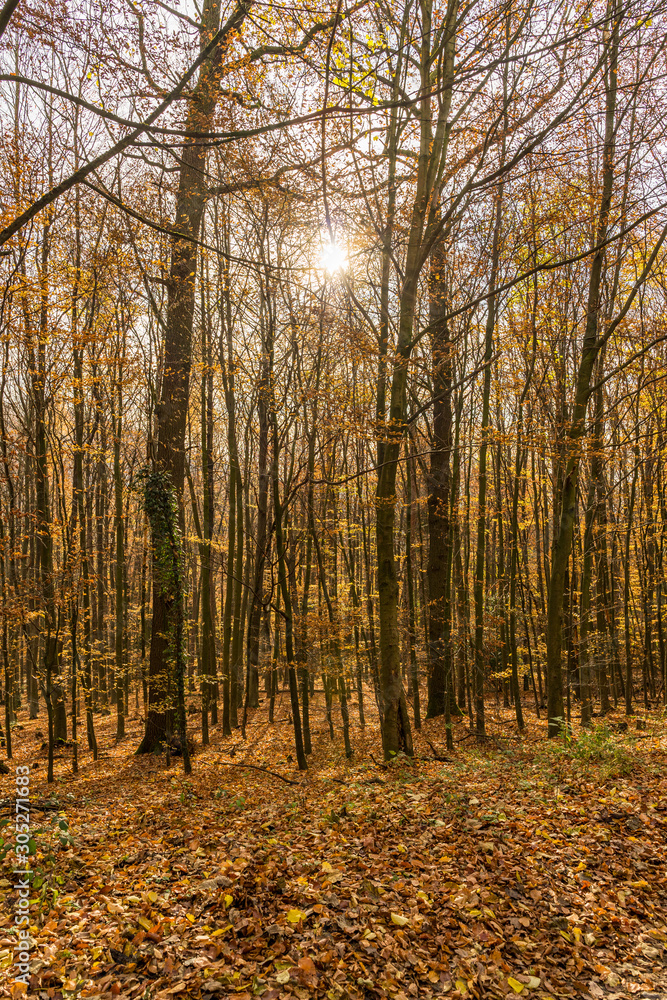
[
  {"x": 439, "y": 503},
  {"x": 480, "y": 557},
  {"x": 591, "y": 344},
  {"x": 264, "y": 473},
  {"x": 283, "y": 583},
  {"x": 44, "y": 542},
  {"x": 120, "y": 665},
  {"x": 334, "y": 643},
  {"x": 412, "y": 634}
]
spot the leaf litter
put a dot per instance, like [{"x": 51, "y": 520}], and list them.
[{"x": 520, "y": 868}]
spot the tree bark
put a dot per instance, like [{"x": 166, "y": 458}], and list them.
[{"x": 172, "y": 409}]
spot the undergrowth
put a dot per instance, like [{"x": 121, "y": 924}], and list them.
[{"x": 597, "y": 748}]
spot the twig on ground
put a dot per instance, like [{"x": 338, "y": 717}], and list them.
[
  {"x": 256, "y": 767},
  {"x": 438, "y": 756},
  {"x": 467, "y": 737}
]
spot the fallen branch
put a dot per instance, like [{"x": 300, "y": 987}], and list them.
[
  {"x": 7, "y": 806},
  {"x": 256, "y": 767},
  {"x": 467, "y": 737},
  {"x": 438, "y": 756}
]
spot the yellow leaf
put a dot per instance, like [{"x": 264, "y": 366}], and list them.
[
  {"x": 577, "y": 933},
  {"x": 461, "y": 986},
  {"x": 580, "y": 867},
  {"x": 191, "y": 917},
  {"x": 152, "y": 896},
  {"x": 294, "y": 916},
  {"x": 516, "y": 985},
  {"x": 326, "y": 867},
  {"x": 283, "y": 977},
  {"x": 400, "y": 921},
  {"x": 143, "y": 922},
  {"x": 221, "y": 930},
  {"x": 228, "y": 900},
  {"x": 433, "y": 976}
]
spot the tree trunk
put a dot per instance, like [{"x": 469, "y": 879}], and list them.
[
  {"x": 591, "y": 345},
  {"x": 439, "y": 502},
  {"x": 172, "y": 409}
]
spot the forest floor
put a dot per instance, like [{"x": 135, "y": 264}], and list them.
[{"x": 518, "y": 868}]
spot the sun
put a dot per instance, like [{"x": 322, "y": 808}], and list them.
[{"x": 333, "y": 258}]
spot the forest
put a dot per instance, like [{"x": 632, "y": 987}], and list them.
[{"x": 333, "y": 456}]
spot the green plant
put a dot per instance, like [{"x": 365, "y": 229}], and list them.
[
  {"x": 5, "y": 845},
  {"x": 596, "y": 747},
  {"x": 600, "y": 746},
  {"x": 44, "y": 845}
]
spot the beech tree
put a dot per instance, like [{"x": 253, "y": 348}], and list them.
[{"x": 374, "y": 295}]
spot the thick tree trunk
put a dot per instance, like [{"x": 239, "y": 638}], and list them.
[
  {"x": 424, "y": 228},
  {"x": 172, "y": 409},
  {"x": 396, "y": 734}
]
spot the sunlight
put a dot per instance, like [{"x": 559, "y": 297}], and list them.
[{"x": 333, "y": 258}]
